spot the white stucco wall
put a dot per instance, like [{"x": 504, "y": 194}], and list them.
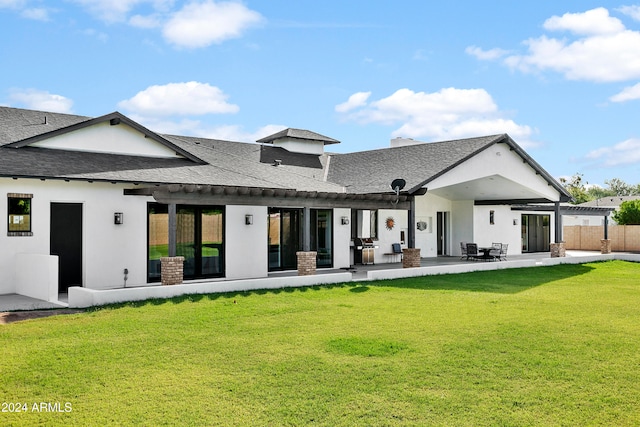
[
  {"x": 104, "y": 138},
  {"x": 388, "y": 237},
  {"x": 341, "y": 238},
  {"x": 427, "y": 208},
  {"x": 503, "y": 230},
  {"x": 107, "y": 248},
  {"x": 246, "y": 251},
  {"x": 462, "y": 224}
]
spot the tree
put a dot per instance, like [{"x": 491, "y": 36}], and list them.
[
  {"x": 576, "y": 188},
  {"x": 628, "y": 214},
  {"x": 620, "y": 188}
]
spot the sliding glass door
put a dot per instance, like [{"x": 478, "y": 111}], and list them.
[
  {"x": 199, "y": 239},
  {"x": 322, "y": 236},
  {"x": 284, "y": 238}
]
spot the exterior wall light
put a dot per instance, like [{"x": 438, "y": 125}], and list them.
[
  {"x": 118, "y": 218},
  {"x": 344, "y": 220},
  {"x": 248, "y": 219}
]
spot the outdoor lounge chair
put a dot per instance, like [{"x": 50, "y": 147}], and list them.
[{"x": 463, "y": 250}]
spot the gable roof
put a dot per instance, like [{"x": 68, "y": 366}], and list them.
[
  {"x": 418, "y": 164},
  {"x": 21, "y": 128},
  {"x": 298, "y": 134},
  {"x": 227, "y": 163}
]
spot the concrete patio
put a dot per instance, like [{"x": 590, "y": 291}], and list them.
[{"x": 83, "y": 297}]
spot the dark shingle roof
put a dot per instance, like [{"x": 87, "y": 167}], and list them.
[
  {"x": 299, "y": 134},
  {"x": 372, "y": 171},
  {"x": 216, "y": 162},
  {"x": 17, "y": 124},
  {"x": 610, "y": 201}
]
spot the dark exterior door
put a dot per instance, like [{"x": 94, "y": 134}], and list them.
[{"x": 66, "y": 243}]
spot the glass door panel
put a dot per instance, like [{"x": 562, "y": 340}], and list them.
[
  {"x": 199, "y": 239},
  {"x": 284, "y": 238},
  {"x": 158, "y": 243},
  {"x": 321, "y": 236},
  {"x": 185, "y": 239},
  {"x": 274, "y": 240},
  {"x": 211, "y": 238}
]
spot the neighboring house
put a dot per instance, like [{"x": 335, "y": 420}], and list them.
[
  {"x": 96, "y": 202},
  {"x": 612, "y": 202}
]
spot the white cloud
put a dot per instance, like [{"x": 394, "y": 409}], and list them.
[
  {"x": 37, "y": 14},
  {"x": 624, "y": 153},
  {"x": 450, "y": 113},
  {"x": 41, "y": 100},
  {"x": 485, "y": 55},
  {"x": 358, "y": 99},
  {"x": 595, "y": 21},
  {"x": 632, "y": 11},
  {"x": 190, "y": 98},
  {"x": 599, "y": 49},
  {"x": 111, "y": 11},
  {"x": 145, "y": 22},
  {"x": 12, "y": 4},
  {"x": 237, "y": 133},
  {"x": 197, "y": 128},
  {"x": 201, "y": 24},
  {"x": 628, "y": 94}
]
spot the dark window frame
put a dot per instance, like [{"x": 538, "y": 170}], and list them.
[{"x": 15, "y": 210}]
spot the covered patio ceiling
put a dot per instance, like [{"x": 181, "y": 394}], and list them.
[{"x": 493, "y": 188}]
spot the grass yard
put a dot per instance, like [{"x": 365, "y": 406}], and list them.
[{"x": 540, "y": 346}]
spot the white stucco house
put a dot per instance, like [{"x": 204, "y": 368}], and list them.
[{"x": 96, "y": 202}]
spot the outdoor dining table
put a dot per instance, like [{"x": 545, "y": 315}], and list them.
[{"x": 486, "y": 252}]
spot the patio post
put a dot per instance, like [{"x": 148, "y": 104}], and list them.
[
  {"x": 558, "y": 215},
  {"x": 173, "y": 226},
  {"x": 411, "y": 231},
  {"x": 172, "y": 266}
]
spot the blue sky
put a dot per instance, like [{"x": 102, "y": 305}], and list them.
[{"x": 562, "y": 78}]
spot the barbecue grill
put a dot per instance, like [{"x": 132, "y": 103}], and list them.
[{"x": 364, "y": 251}]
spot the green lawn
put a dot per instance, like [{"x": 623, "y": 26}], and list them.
[{"x": 539, "y": 346}]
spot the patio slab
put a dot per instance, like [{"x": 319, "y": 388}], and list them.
[{"x": 15, "y": 302}]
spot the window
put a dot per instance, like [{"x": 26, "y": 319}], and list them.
[{"x": 19, "y": 214}]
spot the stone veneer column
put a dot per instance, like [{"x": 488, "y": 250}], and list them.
[
  {"x": 410, "y": 257},
  {"x": 171, "y": 270},
  {"x": 558, "y": 250},
  {"x": 306, "y": 263},
  {"x": 605, "y": 246}
]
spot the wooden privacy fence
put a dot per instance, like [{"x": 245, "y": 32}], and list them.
[{"x": 624, "y": 238}]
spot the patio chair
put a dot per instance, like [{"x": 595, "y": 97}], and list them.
[
  {"x": 396, "y": 249},
  {"x": 463, "y": 250},
  {"x": 494, "y": 253},
  {"x": 472, "y": 251},
  {"x": 503, "y": 252}
]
